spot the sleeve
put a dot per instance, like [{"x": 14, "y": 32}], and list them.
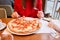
[
  {"x": 18, "y": 6},
  {"x": 39, "y": 5}
]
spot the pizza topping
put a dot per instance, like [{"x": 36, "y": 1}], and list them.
[{"x": 23, "y": 25}]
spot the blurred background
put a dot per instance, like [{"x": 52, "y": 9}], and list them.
[{"x": 51, "y": 8}]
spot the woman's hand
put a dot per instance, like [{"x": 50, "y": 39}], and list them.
[
  {"x": 15, "y": 15},
  {"x": 40, "y": 14}
]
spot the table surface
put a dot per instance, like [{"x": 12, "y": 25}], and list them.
[{"x": 39, "y": 36}]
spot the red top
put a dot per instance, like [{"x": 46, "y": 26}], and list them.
[{"x": 29, "y": 9}]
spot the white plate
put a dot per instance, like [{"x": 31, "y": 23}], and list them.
[{"x": 2, "y": 25}]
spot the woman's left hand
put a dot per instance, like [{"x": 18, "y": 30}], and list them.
[{"x": 40, "y": 14}]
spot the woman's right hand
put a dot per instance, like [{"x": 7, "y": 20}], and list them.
[{"x": 15, "y": 15}]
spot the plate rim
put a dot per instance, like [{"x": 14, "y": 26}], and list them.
[{"x": 3, "y": 27}]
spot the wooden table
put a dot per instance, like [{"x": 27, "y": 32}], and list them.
[{"x": 40, "y": 36}]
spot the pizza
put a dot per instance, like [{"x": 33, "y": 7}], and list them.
[{"x": 24, "y": 25}]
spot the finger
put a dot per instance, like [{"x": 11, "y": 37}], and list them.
[{"x": 15, "y": 15}]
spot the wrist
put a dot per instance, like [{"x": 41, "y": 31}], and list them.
[{"x": 40, "y": 11}]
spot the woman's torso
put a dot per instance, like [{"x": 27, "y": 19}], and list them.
[{"x": 28, "y": 8}]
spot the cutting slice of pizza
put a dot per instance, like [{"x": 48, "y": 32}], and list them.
[{"x": 24, "y": 25}]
